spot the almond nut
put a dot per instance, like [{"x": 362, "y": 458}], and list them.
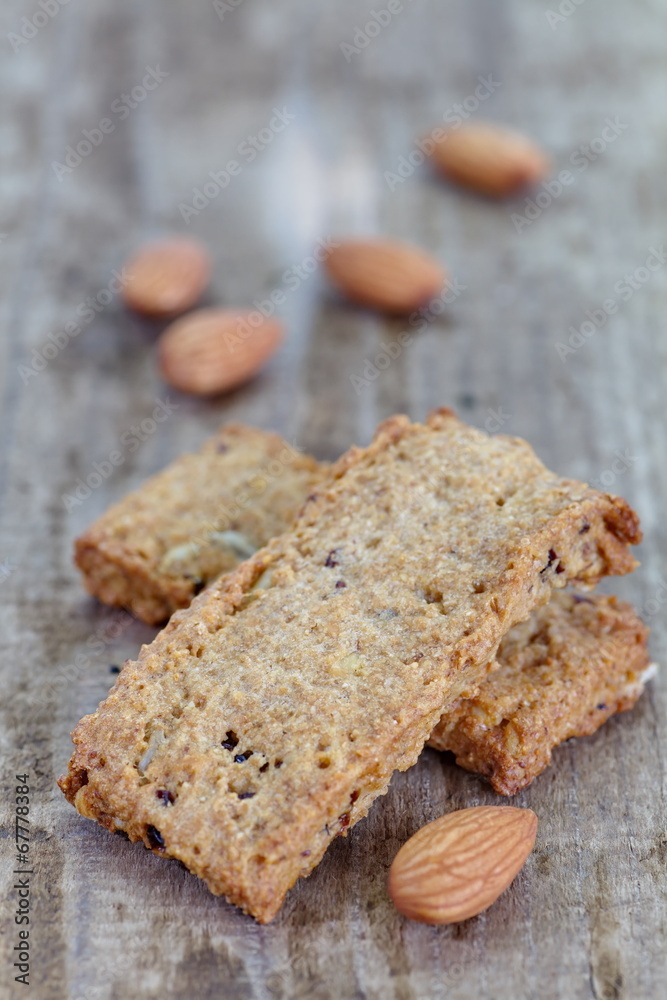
[
  {"x": 385, "y": 274},
  {"x": 214, "y": 350},
  {"x": 458, "y": 865},
  {"x": 490, "y": 159},
  {"x": 166, "y": 278}
]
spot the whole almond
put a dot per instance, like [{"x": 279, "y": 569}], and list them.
[
  {"x": 166, "y": 278},
  {"x": 385, "y": 274},
  {"x": 458, "y": 865},
  {"x": 490, "y": 159},
  {"x": 214, "y": 350}
]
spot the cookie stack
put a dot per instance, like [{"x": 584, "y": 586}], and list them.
[{"x": 417, "y": 596}]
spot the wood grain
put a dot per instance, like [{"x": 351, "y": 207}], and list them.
[{"x": 586, "y": 917}]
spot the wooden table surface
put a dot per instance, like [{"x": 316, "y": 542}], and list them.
[{"x": 586, "y": 917}]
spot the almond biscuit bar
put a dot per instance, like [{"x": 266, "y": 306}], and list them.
[
  {"x": 487, "y": 747},
  {"x": 200, "y": 517},
  {"x": 481, "y": 743},
  {"x": 264, "y": 720},
  {"x": 574, "y": 663}
]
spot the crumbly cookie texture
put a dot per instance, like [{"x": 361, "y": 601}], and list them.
[
  {"x": 561, "y": 673},
  {"x": 264, "y": 720},
  {"x": 203, "y": 515}
]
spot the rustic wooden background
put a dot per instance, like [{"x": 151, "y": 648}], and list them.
[{"x": 586, "y": 917}]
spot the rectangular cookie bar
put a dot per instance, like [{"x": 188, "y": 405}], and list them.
[
  {"x": 190, "y": 488},
  {"x": 264, "y": 720},
  {"x": 535, "y": 676},
  {"x": 562, "y": 673},
  {"x": 200, "y": 517}
]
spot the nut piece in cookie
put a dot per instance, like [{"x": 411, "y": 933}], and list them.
[{"x": 158, "y": 547}]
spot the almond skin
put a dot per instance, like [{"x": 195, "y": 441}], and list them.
[
  {"x": 458, "y": 865},
  {"x": 385, "y": 274},
  {"x": 166, "y": 278},
  {"x": 214, "y": 350},
  {"x": 492, "y": 160}
]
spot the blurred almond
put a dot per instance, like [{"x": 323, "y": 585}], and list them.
[
  {"x": 385, "y": 274},
  {"x": 167, "y": 278},
  {"x": 490, "y": 159},
  {"x": 214, "y": 350},
  {"x": 458, "y": 865}
]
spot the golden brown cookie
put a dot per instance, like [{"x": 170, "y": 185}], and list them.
[
  {"x": 265, "y": 719},
  {"x": 561, "y": 673},
  {"x": 206, "y": 512}
]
